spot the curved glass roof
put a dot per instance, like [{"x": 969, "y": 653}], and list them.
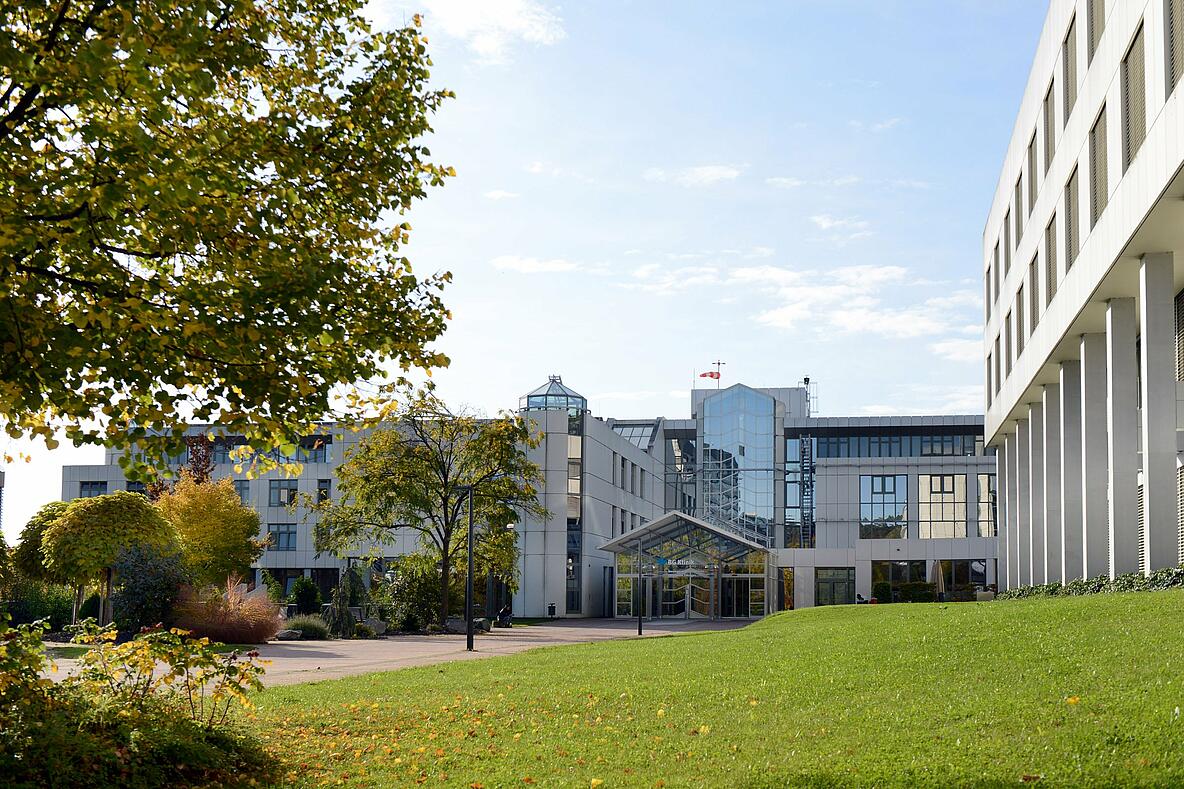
[{"x": 553, "y": 395}]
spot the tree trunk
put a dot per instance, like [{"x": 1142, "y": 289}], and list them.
[
  {"x": 445, "y": 570},
  {"x": 77, "y": 605},
  {"x": 105, "y": 614}
]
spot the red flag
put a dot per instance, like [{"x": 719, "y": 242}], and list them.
[{"x": 712, "y": 374}]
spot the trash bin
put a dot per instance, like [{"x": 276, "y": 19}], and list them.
[{"x": 551, "y": 610}]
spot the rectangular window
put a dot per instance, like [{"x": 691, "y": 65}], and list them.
[
  {"x": 986, "y": 505},
  {"x": 1006, "y": 244},
  {"x": 1069, "y": 57},
  {"x": 1007, "y": 344},
  {"x": 998, "y": 366},
  {"x": 1031, "y": 173},
  {"x": 1050, "y": 119},
  {"x": 137, "y": 487},
  {"x": 624, "y": 473},
  {"x": 900, "y": 582},
  {"x": 641, "y": 483},
  {"x": 1134, "y": 101},
  {"x": 1099, "y": 190},
  {"x": 624, "y": 521},
  {"x": 987, "y": 292},
  {"x": 1174, "y": 42},
  {"x": 990, "y": 385},
  {"x": 883, "y": 506},
  {"x": 612, "y": 524},
  {"x": 614, "y": 469},
  {"x": 1033, "y": 294},
  {"x": 315, "y": 449},
  {"x": 1050, "y": 260},
  {"x": 282, "y": 492},
  {"x": 1020, "y": 332},
  {"x": 324, "y": 490},
  {"x": 1072, "y": 219},
  {"x": 282, "y": 536},
  {"x": 243, "y": 488},
  {"x": 1019, "y": 207},
  {"x": 995, "y": 268},
  {"x": 1095, "y": 26},
  {"x": 89, "y": 488},
  {"x": 941, "y": 505}
]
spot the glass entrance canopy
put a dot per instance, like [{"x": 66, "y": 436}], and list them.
[{"x": 681, "y": 566}]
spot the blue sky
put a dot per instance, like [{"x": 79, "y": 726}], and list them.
[{"x": 796, "y": 188}]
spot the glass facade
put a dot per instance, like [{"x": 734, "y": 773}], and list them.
[
  {"x": 897, "y": 445},
  {"x": 553, "y": 395},
  {"x": 282, "y": 492},
  {"x": 962, "y": 578},
  {"x": 900, "y": 582},
  {"x": 575, "y": 534},
  {"x": 941, "y": 505},
  {"x": 89, "y": 488},
  {"x": 694, "y": 586},
  {"x": 736, "y": 463},
  {"x": 834, "y": 585},
  {"x": 283, "y": 536},
  {"x": 680, "y": 473},
  {"x": 638, "y": 435},
  {"x": 883, "y": 506},
  {"x": 137, "y": 487},
  {"x": 987, "y": 508}
]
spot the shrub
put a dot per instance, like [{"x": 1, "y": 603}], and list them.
[
  {"x": 231, "y": 616},
  {"x": 275, "y": 590},
  {"x": 119, "y": 723},
  {"x": 1167, "y": 578},
  {"x": 306, "y": 596},
  {"x": 339, "y": 618},
  {"x": 363, "y": 630},
  {"x": 148, "y": 584},
  {"x": 415, "y": 592},
  {"x": 33, "y": 600},
  {"x": 311, "y": 628},
  {"x": 90, "y": 607}
]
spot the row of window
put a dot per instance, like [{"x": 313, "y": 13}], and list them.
[
  {"x": 892, "y": 446},
  {"x": 628, "y": 476},
  {"x": 942, "y": 511},
  {"x": 1023, "y": 315},
  {"x": 624, "y": 521},
  {"x": 280, "y": 493}
]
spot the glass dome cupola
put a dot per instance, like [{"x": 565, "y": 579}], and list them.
[{"x": 554, "y": 396}]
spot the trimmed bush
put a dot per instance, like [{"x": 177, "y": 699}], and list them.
[
  {"x": 147, "y": 587},
  {"x": 311, "y": 628},
  {"x": 305, "y": 595},
  {"x": 230, "y": 616},
  {"x": 33, "y": 600},
  {"x": 1167, "y": 578},
  {"x": 363, "y": 630}
]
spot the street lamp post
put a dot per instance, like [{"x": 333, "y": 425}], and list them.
[{"x": 469, "y": 581}]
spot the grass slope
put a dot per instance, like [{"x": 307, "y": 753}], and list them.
[{"x": 1083, "y": 691}]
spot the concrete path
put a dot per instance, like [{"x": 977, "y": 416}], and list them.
[{"x": 293, "y": 662}]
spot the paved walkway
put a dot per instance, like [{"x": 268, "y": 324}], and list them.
[{"x": 310, "y": 661}]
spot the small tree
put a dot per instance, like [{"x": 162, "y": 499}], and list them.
[
  {"x": 306, "y": 596},
  {"x": 418, "y": 474},
  {"x": 217, "y": 532},
  {"x": 86, "y": 541},
  {"x": 149, "y": 584},
  {"x": 28, "y": 558}
]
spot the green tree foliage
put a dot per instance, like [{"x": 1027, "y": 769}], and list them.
[
  {"x": 85, "y": 542},
  {"x": 219, "y": 535},
  {"x": 27, "y": 557},
  {"x": 200, "y": 212},
  {"x": 416, "y": 474},
  {"x": 149, "y": 584},
  {"x": 306, "y": 596}
]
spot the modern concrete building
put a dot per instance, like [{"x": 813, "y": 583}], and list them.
[
  {"x": 1084, "y": 312},
  {"x": 749, "y": 506}
]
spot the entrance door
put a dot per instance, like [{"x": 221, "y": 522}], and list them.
[
  {"x": 834, "y": 585},
  {"x": 734, "y": 598}
]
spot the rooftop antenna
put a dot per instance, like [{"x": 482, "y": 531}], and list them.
[
  {"x": 811, "y": 395},
  {"x": 718, "y": 373}
]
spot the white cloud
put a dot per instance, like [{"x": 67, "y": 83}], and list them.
[
  {"x": 785, "y": 182},
  {"x": 527, "y": 265},
  {"x": 659, "y": 279},
  {"x": 828, "y": 222},
  {"x": 500, "y": 194},
  {"x": 920, "y": 399},
  {"x": 491, "y": 28},
  {"x": 703, "y": 175},
  {"x": 885, "y": 125},
  {"x": 958, "y": 350}
]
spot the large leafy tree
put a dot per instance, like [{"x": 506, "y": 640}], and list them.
[
  {"x": 89, "y": 537},
  {"x": 27, "y": 556},
  {"x": 415, "y": 474},
  {"x": 199, "y": 216},
  {"x": 219, "y": 535}
]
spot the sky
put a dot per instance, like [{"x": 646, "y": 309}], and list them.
[{"x": 796, "y": 188}]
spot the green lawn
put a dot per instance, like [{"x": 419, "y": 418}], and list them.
[{"x": 1083, "y": 691}]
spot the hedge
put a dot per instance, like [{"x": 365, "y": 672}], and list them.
[{"x": 1167, "y": 578}]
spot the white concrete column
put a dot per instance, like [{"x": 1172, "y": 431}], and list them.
[
  {"x": 1157, "y": 332},
  {"x": 1122, "y": 425},
  {"x": 1094, "y": 451},
  {"x": 1072, "y": 554},
  {"x": 1023, "y": 502},
  {"x": 1052, "y": 484},
  {"x": 1001, "y": 513},
  {"x": 1012, "y": 496},
  {"x": 1036, "y": 488}
]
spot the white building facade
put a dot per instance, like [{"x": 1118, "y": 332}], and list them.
[
  {"x": 1084, "y": 312},
  {"x": 750, "y": 506}
]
